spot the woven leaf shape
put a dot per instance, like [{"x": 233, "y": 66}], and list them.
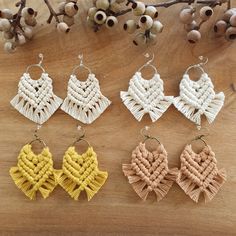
[
  {"x": 198, "y": 98},
  {"x": 34, "y": 172},
  {"x": 35, "y": 99},
  {"x": 80, "y": 173},
  {"x": 199, "y": 174},
  {"x": 84, "y": 101},
  {"x": 149, "y": 171},
  {"x": 146, "y": 96}
]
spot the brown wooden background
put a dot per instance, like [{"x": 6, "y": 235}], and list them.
[{"x": 117, "y": 210}]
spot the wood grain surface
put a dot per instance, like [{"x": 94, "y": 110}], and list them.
[{"x": 116, "y": 209}]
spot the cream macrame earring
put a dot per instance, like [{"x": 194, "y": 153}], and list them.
[
  {"x": 198, "y": 98},
  {"x": 199, "y": 173},
  {"x": 148, "y": 170},
  {"x": 146, "y": 96},
  {"x": 84, "y": 101},
  {"x": 35, "y": 99}
]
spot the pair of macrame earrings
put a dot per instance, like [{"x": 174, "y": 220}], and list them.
[
  {"x": 35, "y": 172},
  {"x": 198, "y": 174},
  {"x": 196, "y": 98},
  {"x": 36, "y": 100}
]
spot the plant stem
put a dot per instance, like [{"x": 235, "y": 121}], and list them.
[{"x": 52, "y": 13}]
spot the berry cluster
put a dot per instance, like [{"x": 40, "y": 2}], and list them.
[
  {"x": 17, "y": 29},
  {"x": 227, "y": 26},
  {"x": 68, "y": 9},
  {"x": 147, "y": 24},
  {"x": 104, "y": 12}
]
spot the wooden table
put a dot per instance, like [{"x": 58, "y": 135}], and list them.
[{"x": 117, "y": 210}]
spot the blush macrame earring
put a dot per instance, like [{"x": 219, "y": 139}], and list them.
[
  {"x": 34, "y": 172},
  {"x": 80, "y": 171},
  {"x": 146, "y": 96},
  {"x": 148, "y": 170},
  {"x": 35, "y": 99},
  {"x": 199, "y": 173},
  {"x": 198, "y": 98},
  {"x": 84, "y": 101}
]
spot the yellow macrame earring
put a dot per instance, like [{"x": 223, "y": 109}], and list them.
[
  {"x": 80, "y": 171},
  {"x": 34, "y": 172}
]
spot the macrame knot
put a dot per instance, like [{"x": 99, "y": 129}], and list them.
[
  {"x": 149, "y": 171},
  {"x": 199, "y": 174},
  {"x": 35, "y": 99},
  {"x": 146, "y": 96},
  {"x": 34, "y": 172},
  {"x": 84, "y": 101},
  {"x": 80, "y": 173},
  {"x": 198, "y": 98}
]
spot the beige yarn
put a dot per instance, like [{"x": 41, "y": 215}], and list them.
[
  {"x": 149, "y": 172},
  {"x": 199, "y": 174}
]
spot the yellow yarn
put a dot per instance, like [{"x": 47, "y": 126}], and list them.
[
  {"x": 80, "y": 172},
  {"x": 34, "y": 172}
]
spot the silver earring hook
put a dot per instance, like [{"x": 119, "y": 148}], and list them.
[
  {"x": 36, "y": 136},
  {"x": 81, "y": 64},
  {"x": 81, "y": 136},
  {"x": 38, "y": 64},
  {"x": 198, "y": 65},
  {"x": 148, "y": 63},
  {"x": 147, "y": 136}
]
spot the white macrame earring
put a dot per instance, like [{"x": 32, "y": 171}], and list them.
[
  {"x": 35, "y": 99},
  {"x": 146, "y": 96},
  {"x": 198, "y": 98},
  {"x": 84, "y": 101}
]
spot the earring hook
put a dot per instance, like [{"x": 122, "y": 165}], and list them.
[
  {"x": 81, "y": 64},
  {"x": 147, "y": 136},
  {"x": 198, "y": 65},
  {"x": 37, "y": 65},
  {"x": 148, "y": 63},
  {"x": 81, "y": 57},
  {"x": 81, "y": 136},
  {"x": 36, "y": 136},
  {"x": 41, "y": 59}
]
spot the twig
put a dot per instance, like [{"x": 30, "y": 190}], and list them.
[
  {"x": 16, "y": 20},
  {"x": 52, "y": 13}
]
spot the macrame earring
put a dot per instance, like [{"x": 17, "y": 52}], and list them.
[
  {"x": 84, "y": 101},
  {"x": 146, "y": 96},
  {"x": 35, "y": 99},
  {"x": 80, "y": 172},
  {"x": 149, "y": 170},
  {"x": 34, "y": 172},
  {"x": 198, "y": 98},
  {"x": 199, "y": 173}
]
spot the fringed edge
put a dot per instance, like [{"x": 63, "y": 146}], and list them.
[
  {"x": 26, "y": 109},
  {"x": 72, "y": 109},
  {"x": 194, "y": 191},
  {"x": 136, "y": 109},
  {"x": 74, "y": 190},
  {"x": 214, "y": 107},
  {"x": 215, "y": 185},
  {"x": 190, "y": 188},
  {"x": 28, "y": 188},
  {"x": 167, "y": 182},
  {"x": 160, "y": 108},
  {"x": 140, "y": 186},
  {"x": 187, "y": 110}
]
